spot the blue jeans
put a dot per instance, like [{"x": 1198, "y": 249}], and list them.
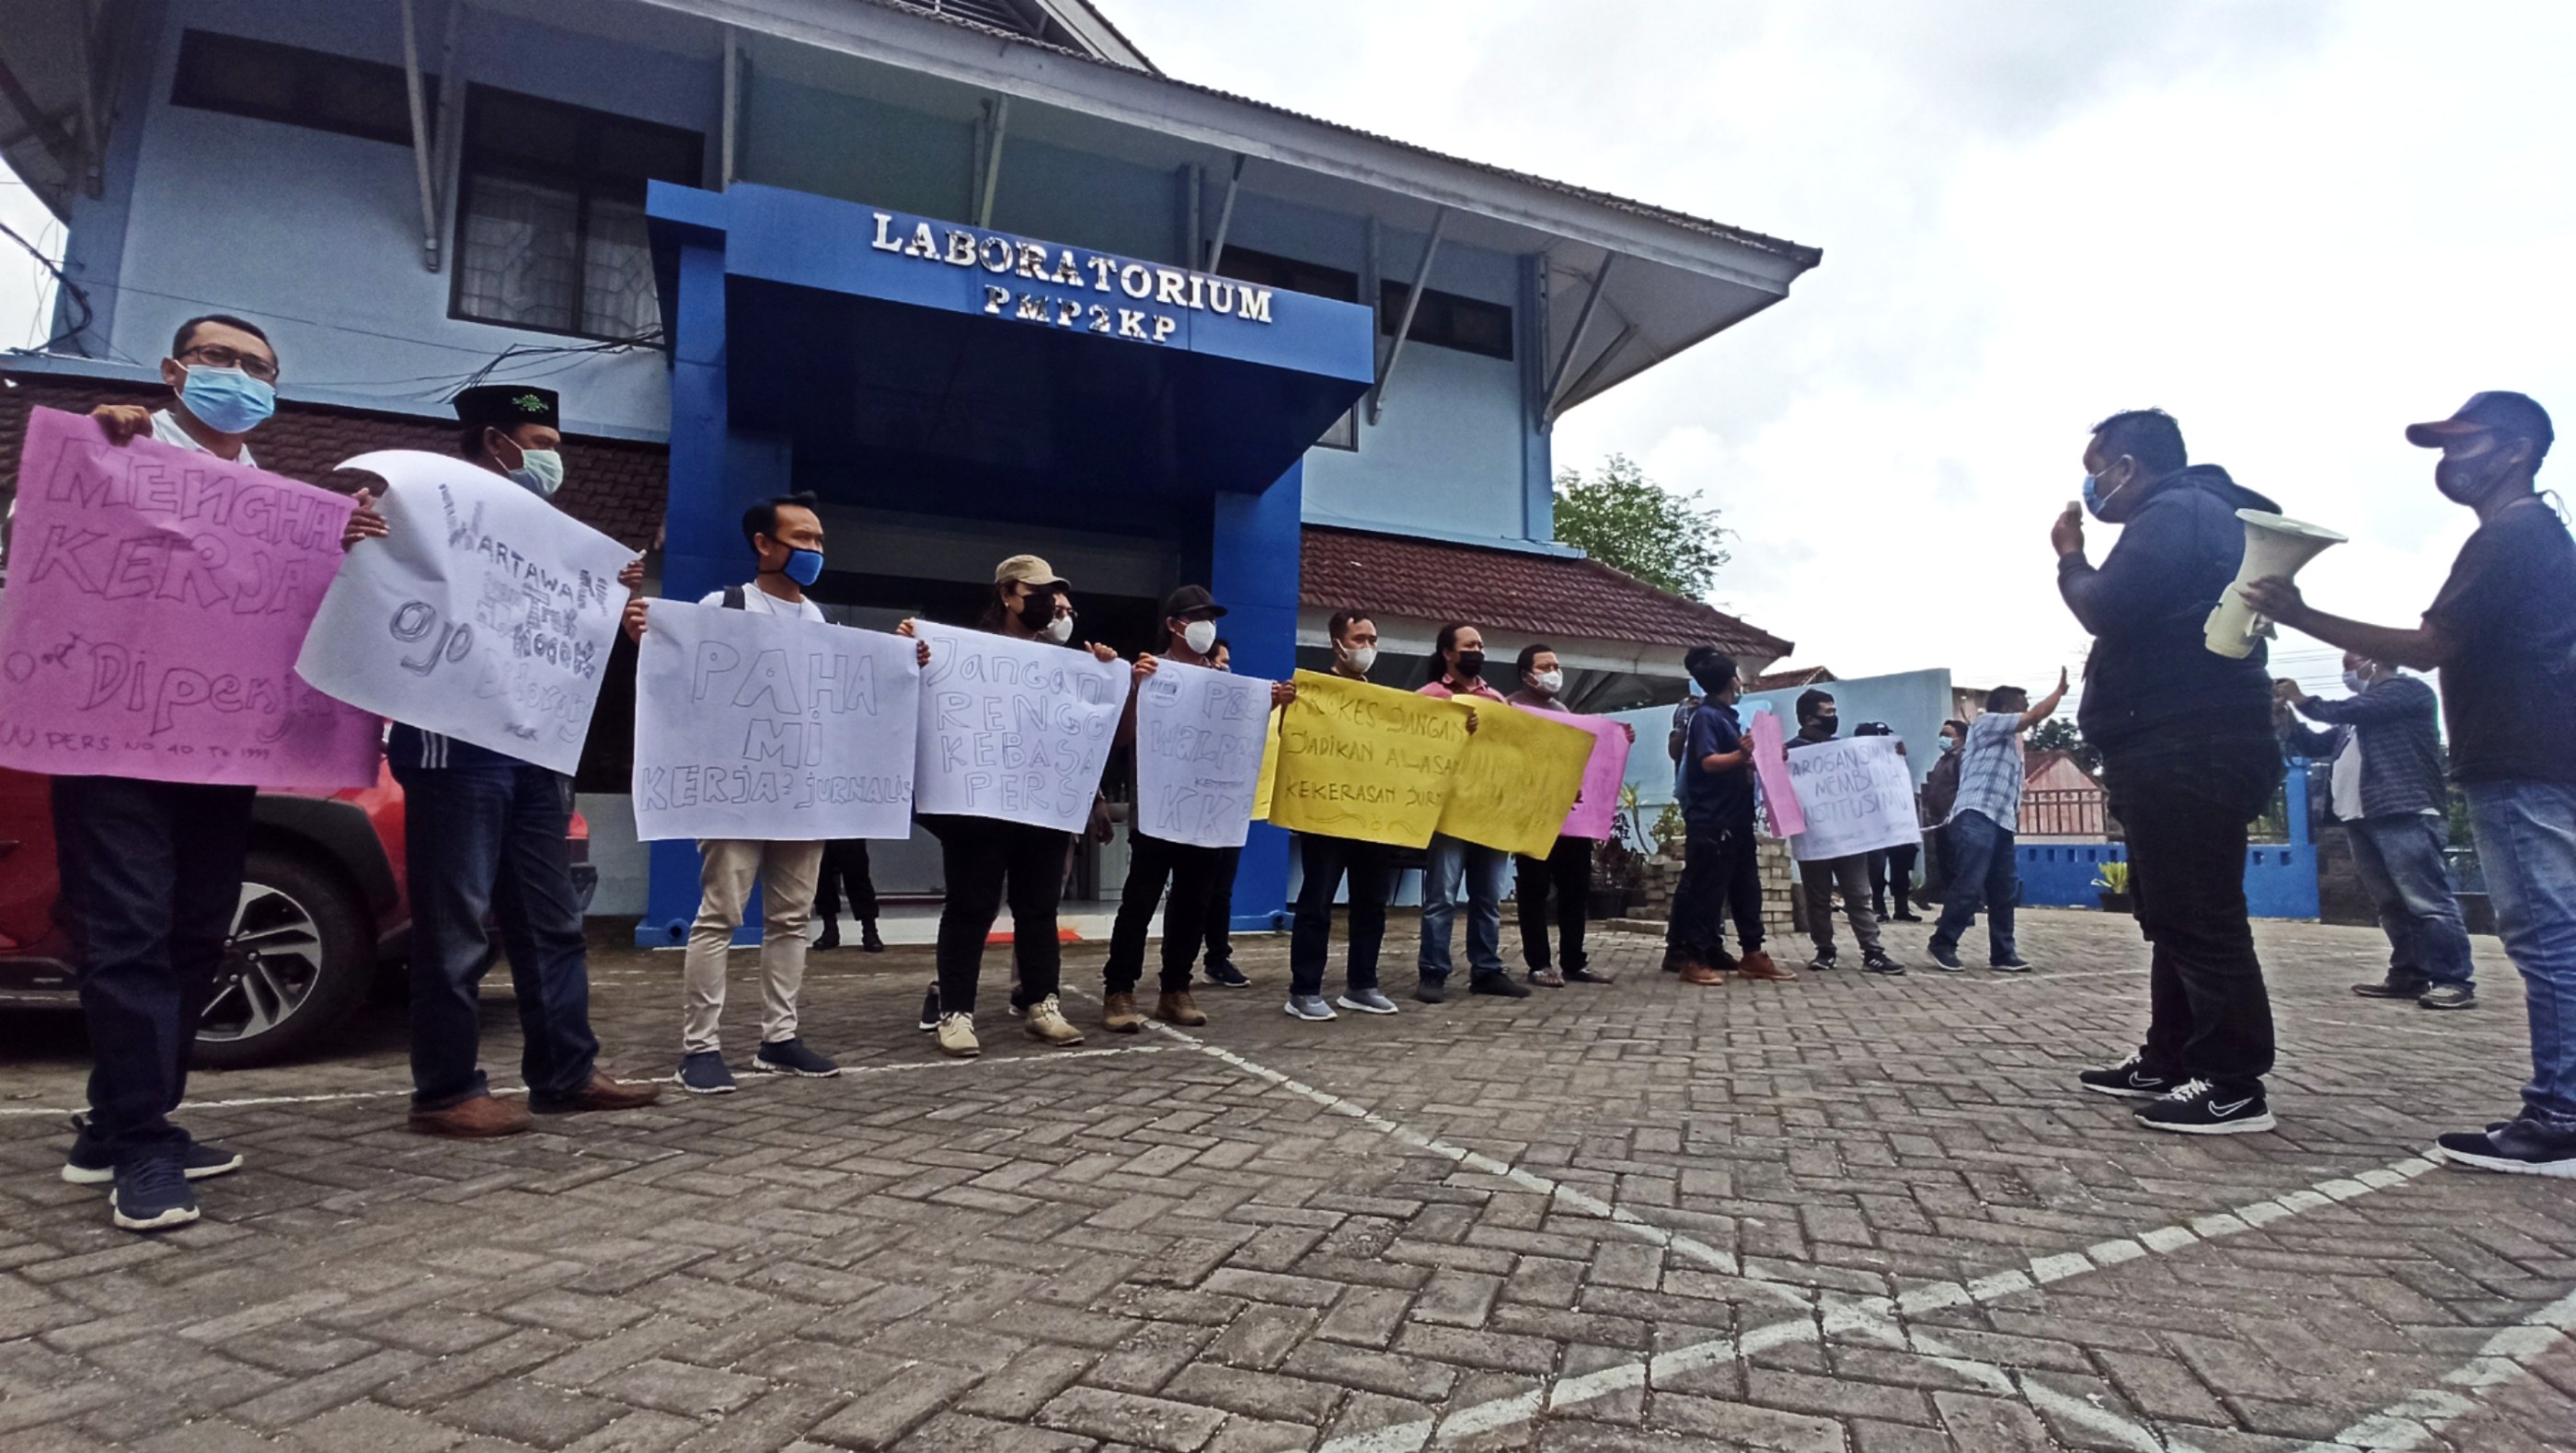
[
  {"x": 2526, "y": 834},
  {"x": 489, "y": 837},
  {"x": 1983, "y": 873},
  {"x": 2399, "y": 861},
  {"x": 1450, "y": 865}
]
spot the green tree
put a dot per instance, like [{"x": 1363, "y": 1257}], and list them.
[
  {"x": 2059, "y": 735},
  {"x": 1624, "y": 520}
]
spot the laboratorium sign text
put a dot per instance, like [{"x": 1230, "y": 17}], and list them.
[{"x": 1143, "y": 300}]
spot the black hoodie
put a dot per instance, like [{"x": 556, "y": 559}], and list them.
[{"x": 2151, "y": 678}]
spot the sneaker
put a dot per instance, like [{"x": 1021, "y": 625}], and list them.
[
  {"x": 1947, "y": 958},
  {"x": 154, "y": 1196},
  {"x": 1585, "y": 976},
  {"x": 870, "y": 942},
  {"x": 830, "y": 937},
  {"x": 1906, "y": 915},
  {"x": 2449, "y": 996},
  {"x": 1226, "y": 976},
  {"x": 1365, "y": 1001},
  {"x": 1826, "y": 959},
  {"x": 1757, "y": 965},
  {"x": 89, "y": 1163},
  {"x": 1501, "y": 986},
  {"x": 1547, "y": 978},
  {"x": 703, "y": 1072},
  {"x": 1047, "y": 1025},
  {"x": 2395, "y": 986},
  {"x": 2516, "y": 1148},
  {"x": 1876, "y": 961},
  {"x": 2127, "y": 1080},
  {"x": 1309, "y": 1006},
  {"x": 791, "y": 1057},
  {"x": 2197, "y": 1107},
  {"x": 2010, "y": 964},
  {"x": 1118, "y": 1014},
  {"x": 930, "y": 1011},
  {"x": 1430, "y": 990},
  {"x": 1175, "y": 1006},
  {"x": 957, "y": 1036}
]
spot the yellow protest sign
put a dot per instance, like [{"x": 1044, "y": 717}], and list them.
[
  {"x": 1269, "y": 770},
  {"x": 1519, "y": 778},
  {"x": 1367, "y": 762}
]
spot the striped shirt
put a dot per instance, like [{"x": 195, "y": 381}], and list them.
[{"x": 1990, "y": 770}]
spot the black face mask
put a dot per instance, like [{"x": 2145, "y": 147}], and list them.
[
  {"x": 1471, "y": 664},
  {"x": 2467, "y": 481},
  {"x": 1824, "y": 726},
  {"x": 1711, "y": 686},
  {"x": 1036, "y": 612}
]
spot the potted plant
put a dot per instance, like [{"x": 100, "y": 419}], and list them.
[{"x": 2113, "y": 880}]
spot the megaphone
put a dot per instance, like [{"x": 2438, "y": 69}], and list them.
[{"x": 2274, "y": 545}]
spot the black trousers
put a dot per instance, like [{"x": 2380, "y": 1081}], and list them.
[
  {"x": 151, "y": 877},
  {"x": 1563, "y": 880},
  {"x": 983, "y": 861},
  {"x": 1151, "y": 862},
  {"x": 2209, "y": 1013},
  {"x": 845, "y": 873},
  {"x": 1324, "y": 861},
  {"x": 1220, "y": 922},
  {"x": 1893, "y": 870},
  {"x": 1721, "y": 875}
]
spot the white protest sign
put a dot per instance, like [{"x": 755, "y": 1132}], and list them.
[
  {"x": 485, "y": 614},
  {"x": 773, "y": 729},
  {"x": 1856, "y": 795},
  {"x": 1198, "y": 754},
  {"x": 1014, "y": 730}
]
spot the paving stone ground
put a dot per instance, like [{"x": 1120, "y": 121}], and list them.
[{"x": 1840, "y": 1214}]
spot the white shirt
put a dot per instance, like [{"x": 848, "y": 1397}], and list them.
[
  {"x": 756, "y": 599},
  {"x": 2343, "y": 780},
  {"x": 167, "y": 429}
]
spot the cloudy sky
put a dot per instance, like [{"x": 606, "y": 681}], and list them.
[{"x": 2296, "y": 225}]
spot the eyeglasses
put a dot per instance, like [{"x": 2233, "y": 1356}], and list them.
[{"x": 217, "y": 355}]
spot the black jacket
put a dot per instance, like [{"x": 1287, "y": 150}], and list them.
[{"x": 2151, "y": 683}]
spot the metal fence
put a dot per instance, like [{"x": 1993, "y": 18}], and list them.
[{"x": 2065, "y": 812}]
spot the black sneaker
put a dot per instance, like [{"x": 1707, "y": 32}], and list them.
[
  {"x": 930, "y": 1011},
  {"x": 703, "y": 1072},
  {"x": 1947, "y": 958},
  {"x": 2516, "y": 1147},
  {"x": 1430, "y": 990},
  {"x": 791, "y": 1057},
  {"x": 2394, "y": 987},
  {"x": 89, "y": 1163},
  {"x": 1876, "y": 961},
  {"x": 2127, "y": 1080},
  {"x": 1226, "y": 976},
  {"x": 2448, "y": 996},
  {"x": 1826, "y": 959},
  {"x": 2010, "y": 964},
  {"x": 153, "y": 1196},
  {"x": 2197, "y": 1107},
  {"x": 1501, "y": 986}
]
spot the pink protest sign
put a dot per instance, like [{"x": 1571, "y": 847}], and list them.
[
  {"x": 1596, "y": 808},
  {"x": 157, "y": 598},
  {"x": 1771, "y": 767}
]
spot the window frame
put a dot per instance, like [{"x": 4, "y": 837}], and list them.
[
  {"x": 1277, "y": 270},
  {"x": 195, "y": 42},
  {"x": 588, "y": 186},
  {"x": 1436, "y": 306}
]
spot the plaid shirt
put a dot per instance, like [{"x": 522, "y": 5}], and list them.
[{"x": 1990, "y": 770}]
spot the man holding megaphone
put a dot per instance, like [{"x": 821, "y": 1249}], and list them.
[
  {"x": 2188, "y": 758},
  {"x": 2503, "y": 634}
]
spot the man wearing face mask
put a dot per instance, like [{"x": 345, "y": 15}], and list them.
[
  {"x": 484, "y": 832},
  {"x": 2503, "y": 635},
  {"x": 1323, "y": 861},
  {"x": 1721, "y": 870},
  {"x": 786, "y": 538},
  {"x": 1455, "y": 868},
  {"x": 151, "y": 871},
  {"x": 1940, "y": 794},
  {"x": 2387, "y": 790},
  {"x": 2188, "y": 758},
  {"x": 1565, "y": 874},
  {"x": 1818, "y": 719}
]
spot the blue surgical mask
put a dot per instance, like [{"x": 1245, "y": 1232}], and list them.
[
  {"x": 540, "y": 472},
  {"x": 804, "y": 566},
  {"x": 2095, "y": 500},
  {"x": 227, "y": 400}
]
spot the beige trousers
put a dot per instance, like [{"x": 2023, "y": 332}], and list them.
[{"x": 786, "y": 873}]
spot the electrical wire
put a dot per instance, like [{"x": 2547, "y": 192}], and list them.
[{"x": 73, "y": 290}]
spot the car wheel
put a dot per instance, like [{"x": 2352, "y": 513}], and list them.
[{"x": 295, "y": 967}]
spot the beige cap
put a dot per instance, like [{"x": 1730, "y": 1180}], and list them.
[{"x": 1028, "y": 570}]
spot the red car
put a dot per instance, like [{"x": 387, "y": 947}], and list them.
[{"x": 323, "y": 910}]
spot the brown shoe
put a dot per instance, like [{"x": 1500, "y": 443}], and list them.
[
  {"x": 481, "y": 1118},
  {"x": 1705, "y": 975},
  {"x": 602, "y": 1093},
  {"x": 1547, "y": 978},
  {"x": 1757, "y": 965},
  {"x": 1118, "y": 1014},
  {"x": 1177, "y": 1007}
]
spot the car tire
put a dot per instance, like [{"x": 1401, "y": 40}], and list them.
[{"x": 297, "y": 965}]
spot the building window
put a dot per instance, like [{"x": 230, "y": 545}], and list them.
[
  {"x": 550, "y": 222},
  {"x": 1269, "y": 270},
  {"x": 1447, "y": 320},
  {"x": 243, "y": 77}
]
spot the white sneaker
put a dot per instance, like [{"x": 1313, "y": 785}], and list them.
[
  {"x": 957, "y": 1036},
  {"x": 1309, "y": 1006},
  {"x": 1366, "y": 1001}
]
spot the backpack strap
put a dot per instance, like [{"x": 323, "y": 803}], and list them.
[{"x": 733, "y": 597}]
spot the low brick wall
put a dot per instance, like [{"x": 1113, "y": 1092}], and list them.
[{"x": 1779, "y": 891}]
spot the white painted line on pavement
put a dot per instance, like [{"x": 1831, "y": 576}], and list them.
[{"x": 2420, "y": 1416}]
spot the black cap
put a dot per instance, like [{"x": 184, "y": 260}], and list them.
[
  {"x": 1191, "y": 600},
  {"x": 1872, "y": 729},
  {"x": 2496, "y": 411},
  {"x": 507, "y": 406}
]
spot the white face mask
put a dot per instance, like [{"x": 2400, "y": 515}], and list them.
[
  {"x": 1550, "y": 682},
  {"x": 1361, "y": 658},
  {"x": 1199, "y": 636},
  {"x": 1060, "y": 629}
]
